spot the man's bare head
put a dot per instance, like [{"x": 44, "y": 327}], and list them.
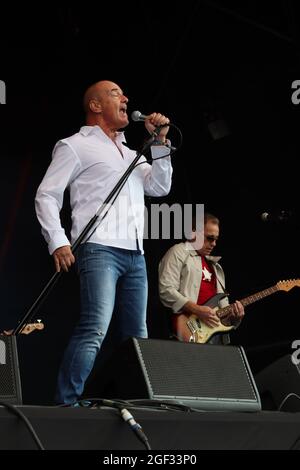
[
  {"x": 93, "y": 93},
  {"x": 105, "y": 105}
]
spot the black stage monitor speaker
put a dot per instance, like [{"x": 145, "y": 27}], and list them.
[
  {"x": 279, "y": 385},
  {"x": 209, "y": 377},
  {"x": 10, "y": 383}
]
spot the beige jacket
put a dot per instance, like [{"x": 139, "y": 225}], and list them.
[{"x": 180, "y": 275}]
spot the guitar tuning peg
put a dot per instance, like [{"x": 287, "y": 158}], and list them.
[{"x": 38, "y": 320}]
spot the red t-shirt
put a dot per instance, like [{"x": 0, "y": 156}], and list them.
[{"x": 208, "y": 286}]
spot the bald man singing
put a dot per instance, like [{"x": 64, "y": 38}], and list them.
[{"x": 110, "y": 262}]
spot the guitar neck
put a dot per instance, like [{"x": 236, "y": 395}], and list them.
[{"x": 223, "y": 312}]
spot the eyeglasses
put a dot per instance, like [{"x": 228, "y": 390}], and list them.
[{"x": 211, "y": 238}]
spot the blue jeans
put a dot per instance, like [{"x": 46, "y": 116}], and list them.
[{"x": 111, "y": 279}]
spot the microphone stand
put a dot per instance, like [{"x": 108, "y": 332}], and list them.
[{"x": 115, "y": 191}]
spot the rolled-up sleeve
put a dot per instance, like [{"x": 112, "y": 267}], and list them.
[{"x": 158, "y": 176}]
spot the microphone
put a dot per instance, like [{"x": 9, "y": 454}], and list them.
[
  {"x": 138, "y": 116},
  {"x": 282, "y": 216}
]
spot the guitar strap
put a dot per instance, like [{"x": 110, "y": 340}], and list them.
[
  {"x": 221, "y": 284},
  {"x": 223, "y": 287}
]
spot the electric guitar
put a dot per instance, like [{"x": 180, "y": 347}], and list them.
[
  {"x": 26, "y": 329},
  {"x": 191, "y": 329}
]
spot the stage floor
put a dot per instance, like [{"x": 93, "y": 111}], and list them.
[{"x": 103, "y": 428}]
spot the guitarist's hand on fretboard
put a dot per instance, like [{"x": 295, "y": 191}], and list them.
[{"x": 237, "y": 313}]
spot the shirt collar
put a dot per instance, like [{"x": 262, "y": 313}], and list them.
[
  {"x": 213, "y": 259},
  {"x": 87, "y": 130}
]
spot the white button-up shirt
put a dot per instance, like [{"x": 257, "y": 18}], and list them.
[{"x": 90, "y": 164}]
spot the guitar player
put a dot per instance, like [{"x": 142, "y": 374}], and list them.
[{"x": 189, "y": 278}]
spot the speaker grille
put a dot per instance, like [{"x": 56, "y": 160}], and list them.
[
  {"x": 195, "y": 371},
  {"x": 202, "y": 376},
  {"x": 10, "y": 385}
]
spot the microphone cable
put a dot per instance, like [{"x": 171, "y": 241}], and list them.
[
  {"x": 120, "y": 405},
  {"x": 170, "y": 147},
  {"x": 136, "y": 427},
  {"x": 13, "y": 409}
]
